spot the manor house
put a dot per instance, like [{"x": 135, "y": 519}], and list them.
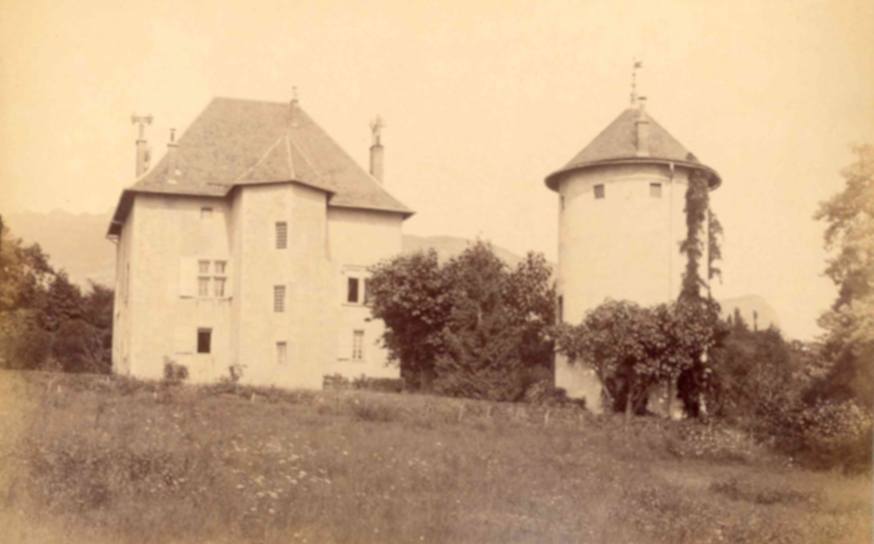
[{"x": 247, "y": 246}]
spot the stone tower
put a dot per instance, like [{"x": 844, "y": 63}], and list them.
[{"x": 621, "y": 221}]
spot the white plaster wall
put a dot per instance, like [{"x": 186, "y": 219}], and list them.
[
  {"x": 359, "y": 239},
  {"x": 307, "y": 324},
  {"x": 121, "y": 317},
  {"x": 624, "y": 247},
  {"x": 166, "y": 232}
]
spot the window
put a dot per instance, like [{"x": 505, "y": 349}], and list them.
[
  {"x": 278, "y": 298},
  {"x": 655, "y": 190},
  {"x": 205, "y": 212},
  {"x": 281, "y": 353},
  {"x": 352, "y": 290},
  {"x": 357, "y": 345},
  {"x": 560, "y": 309},
  {"x": 599, "y": 190},
  {"x": 204, "y": 340},
  {"x": 561, "y": 202},
  {"x": 220, "y": 267},
  {"x": 281, "y": 235},
  {"x": 203, "y": 267},
  {"x": 202, "y": 286},
  {"x": 219, "y": 287}
]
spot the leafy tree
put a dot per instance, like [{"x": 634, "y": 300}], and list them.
[
  {"x": 495, "y": 338},
  {"x": 850, "y": 321},
  {"x": 471, "y": 327},
  {"x": 410, "y": 295}
]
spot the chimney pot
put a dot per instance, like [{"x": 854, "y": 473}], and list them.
[
  {"x": 377, "y": 152},
  {"x": 172, "y": 147}
]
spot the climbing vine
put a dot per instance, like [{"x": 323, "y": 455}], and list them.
[
  {"x": 697, "y": 212},
  {"x": 694, "y": 382}
]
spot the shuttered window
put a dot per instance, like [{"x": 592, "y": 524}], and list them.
[
  {"x": 357, "y": 345},
  {"x": 281, "y": 235},
  {"x": 278, "y": 298}
]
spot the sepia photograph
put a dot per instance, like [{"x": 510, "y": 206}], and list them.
[{"x": 492, "y": 271}]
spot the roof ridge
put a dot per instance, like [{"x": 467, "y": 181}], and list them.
[{"x": 259, "y": 161}]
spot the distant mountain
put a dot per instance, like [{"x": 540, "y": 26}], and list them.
[
  {"x": 754, "y": 309},
  {"x": 77, "y": 243}
]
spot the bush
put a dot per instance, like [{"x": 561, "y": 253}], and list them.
[
  {"x": 174, "y": 372},
  {"x": 384, "y": 385}
]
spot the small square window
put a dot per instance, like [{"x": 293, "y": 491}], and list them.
[
  {"x": 599, "y": 190},
  {"x": 204, "y": 340},
  {"x": 281, "y": 235},
  {"x": 202, "y": 287},
  {"x": 218, "y": 287},
  {"x": 205, "y": 212},
  {"x": 655, "y": 190},
  {"x": 352, "y": 290},
  {"x": 220, "y": 267},
  {"x": 279, "y": 298},
  {"x": 281, "y": 353},
  {"x": 358, "y": 345}
]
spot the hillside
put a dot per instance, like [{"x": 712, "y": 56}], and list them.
[{"x": 146, "y": 463}]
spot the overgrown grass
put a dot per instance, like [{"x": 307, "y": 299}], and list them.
[{"x": 100, "y": 459}]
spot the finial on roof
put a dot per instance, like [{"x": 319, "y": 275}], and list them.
[
  {"x": 143, "y": 156},
  {"x": 292, "y": 107},
  {"x": 294, "y": 98},
  {"x": 638, "y": 64},
  {"x": 172, "y": 135},
  {"x": 376, "y": 127}
]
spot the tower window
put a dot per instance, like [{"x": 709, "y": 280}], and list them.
[
  {"x": 204, "y": 340},
  {"x": 278, "y": 298},
  {"x": 281, "y": 235},
  {"x": 205, "y": 212},
  {"x": 560, "y": 309},
  {"x": 655, "y": 190},
  {"x": 599, "y": 191},
  {"x": 561, "y": 202}
]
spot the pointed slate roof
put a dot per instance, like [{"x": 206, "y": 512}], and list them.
[
  {"x": 236, "y": 142},
  {"x": 616, "y": 144}
]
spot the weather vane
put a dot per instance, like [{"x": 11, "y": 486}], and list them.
[{"x": 635, "y": 67}]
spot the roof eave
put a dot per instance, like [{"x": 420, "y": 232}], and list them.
[
  {"x": 552, "y": 180},
  {"x": 406, "y": 214}
]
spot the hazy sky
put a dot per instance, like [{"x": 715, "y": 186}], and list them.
[{"x": 481, "y": 99}]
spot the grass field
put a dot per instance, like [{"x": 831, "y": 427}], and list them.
[{"x": 97, "y": 459}]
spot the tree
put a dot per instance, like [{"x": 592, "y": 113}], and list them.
[
  {"x": 472, "y": 327},
  {"x": 495, "y": 338},
  {"x": 410, "y": 295},
  {"x": 850, "y": 321}
]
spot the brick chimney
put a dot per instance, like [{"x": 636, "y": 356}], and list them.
[
  {"x": 143, "y": 153},
  {"x": 172, "y": 148},
  {"x": 641, "y": 125},
  {"x": 377, "y": 152}
]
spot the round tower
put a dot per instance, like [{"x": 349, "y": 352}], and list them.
[{"x": 622, "y": 218}]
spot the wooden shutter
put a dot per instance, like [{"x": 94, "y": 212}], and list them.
[{"x": 188, "y": 276}]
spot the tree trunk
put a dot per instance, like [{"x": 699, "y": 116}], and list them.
[{"x": 628, "y": 402}]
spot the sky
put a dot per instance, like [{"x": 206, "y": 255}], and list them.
[{"x": 481, "y": 99}]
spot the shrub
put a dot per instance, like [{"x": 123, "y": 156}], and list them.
[
  {"x": 384, "y": 385},
  {"x": 174, "y": 372}
]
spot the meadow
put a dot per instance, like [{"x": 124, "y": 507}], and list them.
[{"x": 96, "y": 459}]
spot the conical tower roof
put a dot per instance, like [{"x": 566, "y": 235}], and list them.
[{"x": 617, "y": 144}]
